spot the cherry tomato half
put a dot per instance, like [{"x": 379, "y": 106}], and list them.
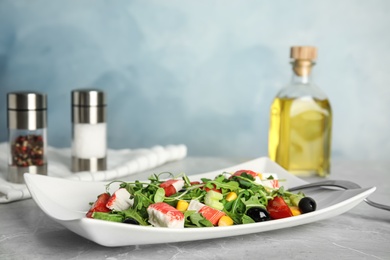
[{"x": 278, "y": 208}]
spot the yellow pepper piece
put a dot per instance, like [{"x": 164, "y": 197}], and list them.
[
  {"x": 225, "y": 221},
  {"x": 182, "y": 205},
  {"x": 231, "y": 196},
  {"x": 295, "y": 211}
]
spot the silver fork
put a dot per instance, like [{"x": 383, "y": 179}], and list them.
[{"x": 340, "y": 184}]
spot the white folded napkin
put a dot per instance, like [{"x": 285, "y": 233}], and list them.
[{"x": 120, "y": 163}]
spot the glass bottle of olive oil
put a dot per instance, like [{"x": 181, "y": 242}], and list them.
[{"x": 301, "y": 121}]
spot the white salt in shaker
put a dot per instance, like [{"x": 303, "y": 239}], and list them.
[{"x": 89, "y": 130}]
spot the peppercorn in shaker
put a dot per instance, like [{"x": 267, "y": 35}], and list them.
[
  {"x": 89, "y": 130},
  {"x": 27, "y": 126}
]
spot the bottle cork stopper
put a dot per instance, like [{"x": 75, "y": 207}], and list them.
[{"x": 303, "y": 53}]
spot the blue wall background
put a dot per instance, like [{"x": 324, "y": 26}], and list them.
[{"x": 201, "y": 72}]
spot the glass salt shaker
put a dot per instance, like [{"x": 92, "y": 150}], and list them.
[
  {"x": 27, "y": 127},
  {"x": 89, "y": 130}
]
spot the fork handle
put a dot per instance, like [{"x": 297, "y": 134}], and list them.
[
  {"x": 377, "y": 205},
  {"x": 341, "y": 184},
  {"x": 333, "y": 183}
]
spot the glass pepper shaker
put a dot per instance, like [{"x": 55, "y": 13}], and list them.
[
  {"x": 89, "y": 130},
  {"x": 27, "y": 132}
]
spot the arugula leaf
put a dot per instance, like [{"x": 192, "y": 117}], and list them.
[
  {"x": 194, "y": 219},
  {"x": 108, "y": 216},
  {"x": 205, "y": 180},
  {"x": 253, "y": 201},
  {"x": 186, "y": 180},
  {"x": 247, "y": 220},
  {"x": 141, "y": 200},
  {"x": 238, "y": 206},
  {"x": 231, "y": 185},
  {"x": 132, "y": 213}
]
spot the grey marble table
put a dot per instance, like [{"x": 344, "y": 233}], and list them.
[{"x": 361, "y": 233}]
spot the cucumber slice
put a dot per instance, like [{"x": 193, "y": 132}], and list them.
[{"x": 212, "y": 199}]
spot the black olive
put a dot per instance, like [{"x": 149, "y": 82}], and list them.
[
  {"x": 258, "y": 214},
  {"x": 307, "y": 204},
  {"x": 130, "y": 221}
]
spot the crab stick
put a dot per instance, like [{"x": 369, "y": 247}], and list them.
[
  {"x": 120, "y": 200},
  {"x": 162, "y": 214},
  {"x": 209, "y": 213}
]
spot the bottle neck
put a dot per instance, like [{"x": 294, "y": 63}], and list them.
[{"x": 302, "y": 71}]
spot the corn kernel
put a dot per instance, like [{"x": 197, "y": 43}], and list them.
[
  {"x": 231, "y": 196},
  {"x": 182, "y": 205},
  {"x": 295, "y": 211},
  {"x": 225, "y": 221}
]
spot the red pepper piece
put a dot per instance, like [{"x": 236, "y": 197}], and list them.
[
  {"x": 278, "y": 208},
  {"x": 99, "y": 205}
]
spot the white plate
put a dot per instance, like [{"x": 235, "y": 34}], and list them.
[{"x": 67, "y": 201}]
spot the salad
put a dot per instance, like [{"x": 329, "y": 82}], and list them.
[{"x": 241, "y": 197}]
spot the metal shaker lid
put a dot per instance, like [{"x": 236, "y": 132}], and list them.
[
  {"x": 88, "y": 97},
  {"x": 88, "y": 106},
  {"x": 26, "y": 100}
]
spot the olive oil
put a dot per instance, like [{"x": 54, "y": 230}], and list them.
[
  {"x": 300, "y": 133},
  {"x": 301, "y": 121}
]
